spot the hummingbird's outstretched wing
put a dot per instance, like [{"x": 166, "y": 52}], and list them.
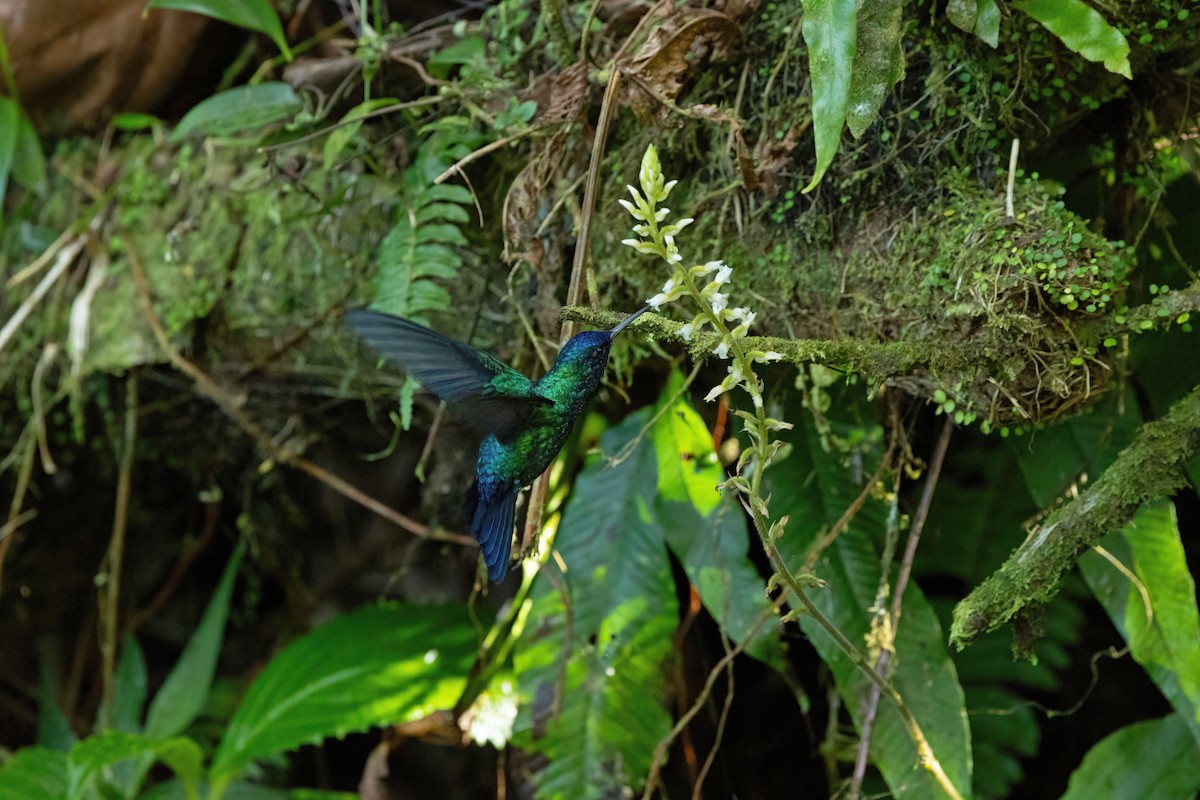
[{"x": 454, "y": 371}]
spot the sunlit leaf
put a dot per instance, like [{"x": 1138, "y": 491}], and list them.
[
  {"x": 240, "y": 109},
  {"x": 255, "y": 15},
  {"x": 707, "y": 532},
  {"x": 830, "y": 31},
  {"x": 34, "y": 772},
  {"x": 131, "y": 121},
  {"x": 1164, "y": 637},
  {"x": 878, "y": 61},
  {"x": 1082, "y": 29},
  {"x": 590, "y": 664},
  {"x": 378, "y": 665},
  {"x": 1151, "y": 759}
]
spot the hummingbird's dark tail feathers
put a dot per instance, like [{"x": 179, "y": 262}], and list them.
[{"x": 492, "y": 526}]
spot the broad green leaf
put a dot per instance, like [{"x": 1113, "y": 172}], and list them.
[
  {"x": 89, "y": 756},
  {"x": 10, "y": 114},
  {"x": 963, "y": 13},
  {"x": 184, "y": 691},
  {"x": 814, "y": 488},
  {"x": 1082, "y": 29},
  {"x": 375, "y": 666},
  {"x": 242, "y": 108},
  {"x": 708, "y": 533},
  {"x": 830, "y": 31},
  {"x": 29, "y": 165},
  {"x": 878, "y": 61},
  {"x": 590, "y": 664},
  {"x": 348, "y": 127},
  {"x": 255, "y": 15},
  {"x": 469, "y": 50},
  {"x": 987, "y": 23},
  {"x": 1164, "y": 638},
  {"x": 34, "y": 772},
  {"x": 1152, "y": 759}
]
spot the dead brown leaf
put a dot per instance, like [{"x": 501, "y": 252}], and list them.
[{"x": 682, "y": 43}]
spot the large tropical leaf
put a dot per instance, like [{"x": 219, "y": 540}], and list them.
[
  {"x": 255, "y": 15},
  {"x": 878, "y": 61},
  {"x": 707, "y": 532},
  {"x": 814, "y": 488},
  {"x": 1162, "y": 626},
  {"x": 1081, "y": 28},
  {"x": 378, "y": 665},
  {"x": 830, "y": 31},
  {"x": 590, "y": 665}
]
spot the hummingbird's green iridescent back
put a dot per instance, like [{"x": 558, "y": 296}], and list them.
[{"x": 525, "y": 423}]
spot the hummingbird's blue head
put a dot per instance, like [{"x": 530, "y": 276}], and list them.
[{"x": 589, "y": 346}]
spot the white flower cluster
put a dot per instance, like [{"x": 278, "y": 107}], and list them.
[{"x": 656, "y": 239}]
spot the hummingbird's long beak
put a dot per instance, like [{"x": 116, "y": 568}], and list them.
[{"x": 628, "y": 320}]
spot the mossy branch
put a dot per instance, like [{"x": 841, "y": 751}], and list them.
[
  {"x": 1151, "y": 467},
  {"x": 875, "y": 361}
]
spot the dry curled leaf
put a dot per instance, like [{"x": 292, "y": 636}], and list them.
[{"x": 658, "y": 70}]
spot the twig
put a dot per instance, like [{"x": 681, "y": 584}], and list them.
[
  {"x": 910, "y": 550},
  {"x": 16, "y": 517},
  {"x": 711, "y": 758},
  {"x": 230, "y": 406},
  {"x": 379, "y": 112},
  {"x": 116, "y": 553},
  {"x": 143, "y": 615},
  {"x": 65, "y": 258},
  {"x": 42, "y": 260},
  {"x": 474, "y": 155},
  {"x": 660, "y": 751}
]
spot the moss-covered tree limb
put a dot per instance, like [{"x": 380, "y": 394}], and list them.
[
  {"x": 875, "y": 361},
  {"x": 1150, "y": 468}
]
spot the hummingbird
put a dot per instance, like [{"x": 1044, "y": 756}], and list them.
[{"x": 524, "y": 423}]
